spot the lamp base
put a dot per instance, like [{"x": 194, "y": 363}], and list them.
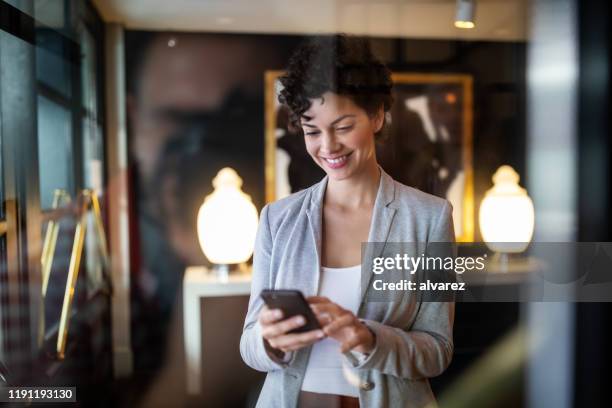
[
  {"x": 223, "y": 271},
  {"x": 503, "y": 262}
]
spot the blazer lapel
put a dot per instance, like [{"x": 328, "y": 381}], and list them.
[
  {"x": 382, "y": 219},
  {"x": 314, "y": 212}
]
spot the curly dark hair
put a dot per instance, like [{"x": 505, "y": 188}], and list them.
[{"x": 341, "y": 64}]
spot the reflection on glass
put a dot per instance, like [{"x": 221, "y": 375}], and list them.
[
  {"x": 58, "y": 273},
  {"x": 2, "y": 294},
  {"x": 93, "y": 155},
  {"x": 88, "y": 72},
  {"x": 93, "y": 159},
  {"x": 1, "y": 180},
  {"x": 60, "y": 198},
  {"x": 92, "y": 130},
  {"x": 55, "y": 150},
  {"x": 23, "y": 5},
  {"x": 51, "y": 13},
  {"x": 52, "y": 68}
]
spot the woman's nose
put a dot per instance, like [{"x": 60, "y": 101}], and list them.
[{"x": 329, "y": 143}]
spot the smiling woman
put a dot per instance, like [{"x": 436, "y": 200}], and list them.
[{"x": 337, "y": 93}]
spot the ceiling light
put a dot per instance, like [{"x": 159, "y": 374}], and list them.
[{"x": 465, "y": 14}]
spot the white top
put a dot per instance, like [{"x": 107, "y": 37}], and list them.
[{"x": 326, "y": 372}]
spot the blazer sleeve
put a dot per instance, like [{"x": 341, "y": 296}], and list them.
[
  {"x": 426, "y": 349},
  {"x": 252, "y": 346}
]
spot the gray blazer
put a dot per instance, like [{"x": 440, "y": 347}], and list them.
[{"x": 414, "y": 339}]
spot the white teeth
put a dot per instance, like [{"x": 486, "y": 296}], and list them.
[{"x": 337, "y": 160}]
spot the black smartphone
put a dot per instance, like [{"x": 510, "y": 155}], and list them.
[{"x": 292, "y": 303}]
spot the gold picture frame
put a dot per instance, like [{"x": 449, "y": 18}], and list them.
[{"x": 435, "y": 109}]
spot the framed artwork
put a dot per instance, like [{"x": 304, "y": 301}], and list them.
[{"x": 427, "y": 143}]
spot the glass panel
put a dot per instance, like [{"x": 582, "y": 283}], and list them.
[
  {"x": 93, "y": 258},
  {"x": 2, "y": 296},
  {"x": 88, "y": 72},
  {"x": 93, "y": 155},
  {"x": 58, "y": 275},
  {"x": 54, "y": 150},
  {"x": 52, "y": 65},
  {"x": 23, "y": 5},
  {"x": 51, "y": 13},
  {"x": 2, "y": 216}
]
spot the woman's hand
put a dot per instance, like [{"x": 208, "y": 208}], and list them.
[
  {"x": 342, "y": 325},
  {"x": 275, "y": 330}
]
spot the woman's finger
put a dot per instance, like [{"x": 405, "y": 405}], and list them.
[
  {"x": 355, "y": 338},
  {"x": 329, "y": 308},
  {"x": 324, "y": 319},
  {"x": 317, "y": 299},
  {"x": 347, "y": 319},
  {"x": 282, "y": 327},
  {"x": 269, "y": 316}
]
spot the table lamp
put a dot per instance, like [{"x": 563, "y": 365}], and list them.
[
  {"x": 227, "y": 223},
  {"x": 506, "y": 214}
]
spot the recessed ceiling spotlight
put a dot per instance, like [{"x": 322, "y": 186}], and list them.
[
  {"x": 465, "y": 14},
  {"x": 172, "y": 42}
]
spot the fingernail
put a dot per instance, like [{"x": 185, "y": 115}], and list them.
[
  {"x": 278, "y": 314},
  {"x": 300, "y": 320},
  {"x": 320, "y": 334}
]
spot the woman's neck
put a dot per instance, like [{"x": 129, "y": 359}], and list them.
[{"x": 355, "y": 192}]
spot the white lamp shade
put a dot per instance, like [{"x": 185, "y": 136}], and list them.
[
  {"x": 227, "y": 221},
  {"x": 506, "y": 215}
]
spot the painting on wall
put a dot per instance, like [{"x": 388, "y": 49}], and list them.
[{"x": 427, "y": 143}]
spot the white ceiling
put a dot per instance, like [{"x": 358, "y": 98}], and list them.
[{"x": 500, "y": 20}]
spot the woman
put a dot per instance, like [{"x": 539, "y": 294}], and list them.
[{"x": 338, "y": 94}]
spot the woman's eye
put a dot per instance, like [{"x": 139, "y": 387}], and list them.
[
  {"x": 311, "y": 133},
  {"x": 344, "y": 128}
]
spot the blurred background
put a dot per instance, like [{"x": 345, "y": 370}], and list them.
[{"x": 116, "y": 116}]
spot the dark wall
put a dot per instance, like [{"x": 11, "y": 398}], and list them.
[{"x": 498, "y": 69}]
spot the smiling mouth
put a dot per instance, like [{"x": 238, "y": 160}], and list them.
[{"x": 337, "y": 160}]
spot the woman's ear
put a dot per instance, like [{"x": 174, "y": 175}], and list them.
[{"x": 378, "y": 120}]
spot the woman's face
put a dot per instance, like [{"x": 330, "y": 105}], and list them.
[{"x": 339, "y": 135}]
